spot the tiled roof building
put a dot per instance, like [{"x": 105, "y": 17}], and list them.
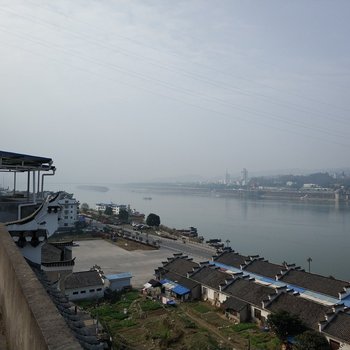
[
  {"x": 339, "y": 327},
  {"x": 316, "y": 283},
  {"x": 231, "y": 258},
  {"x": 311, "y": 313},
  {"x": 249, "y": 291}
]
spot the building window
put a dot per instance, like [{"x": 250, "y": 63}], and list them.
[
  {"x": 91, "y": 290},
  {"x": 75, "y": 293},
  {"x": 99, "y": 289},
  {"x": 83, "y": 292}
]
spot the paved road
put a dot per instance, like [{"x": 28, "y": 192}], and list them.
[{"x": 200, "y": 252}]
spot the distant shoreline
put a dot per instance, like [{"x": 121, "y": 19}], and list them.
[{"x": 301, "y": 196}]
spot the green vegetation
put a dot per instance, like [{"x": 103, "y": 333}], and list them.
[
  {"x": 285, "y": 324},
  {"x": 123, "y": 215},
  {"x": 201, "y": 308},
  {"x": 136, "y": 322},
  {"x": 153, "y": 220},
  {"x": 148, "y": 305},
  {"x": 311, "y": 340},
  {"x": 244, "y": 326}
]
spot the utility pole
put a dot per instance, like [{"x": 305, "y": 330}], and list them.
[{"x": 309, "y": 261}]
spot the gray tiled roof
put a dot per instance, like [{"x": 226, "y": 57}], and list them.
[
  {"x": 231, "y": 259},
  {"x": 180, "y": 266},
  {"x": 316, "y": 283},
  {"x": 210, "y": 276},
  {"x": 249, "y": 291},
  {"x": 264, "y": 268},
  {"x": 339, "y": 327},
  {"x": 49, "y": 253},
  {"x": 310, "y": 313},
  {"x": 233, "y": 304},
  {"x": 83, "y": 279},
  {"x": 183, "y": 281}
]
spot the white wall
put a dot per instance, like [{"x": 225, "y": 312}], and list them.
[{"x": 91, "y": 292}]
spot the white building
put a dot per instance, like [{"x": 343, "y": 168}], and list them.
[
  {"x": 83, "y": 285},
  {"x": 115, "y": 207},
  {"x": 69, "y": 212}
]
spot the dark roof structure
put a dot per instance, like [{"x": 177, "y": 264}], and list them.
[
  {"x": 311, "y": 313},
  {"x": 180, "y": 265},
  {"x": 186, "y": 282},
  {"x": 50, "y": 253},
  {"x": 83, "y": 279},
  {"x": 233, "y": 303},
  {"x": 339, "y": 327},
  {"x": 210, "y": 276},
  {"x": 316, "y": 283},
  {"x": 18, "y": 161},
  {"x": 248, "y": 291},
  {"x": 264, "y": 268},
  {"x": 231, "y": 258}
]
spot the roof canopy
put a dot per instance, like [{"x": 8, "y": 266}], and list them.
[{"x": 24, "y": 162}]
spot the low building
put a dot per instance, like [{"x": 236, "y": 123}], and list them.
[
  {"x": 83, "y": 285},
  {"x": 247, "y": 290},
  {"x": 186, "y": 289},
  {"x": 231, "y": 258},
  {"x": 210, "y": 278},
  {"x": 101, "y": 207},
  {"x": 179, "y": 264},
  {"x": 338, "y": 331},
  {"x": 119, "y": 281},
  {"x": 320, "y": 284},
  {"x": 236, "y": 310}
]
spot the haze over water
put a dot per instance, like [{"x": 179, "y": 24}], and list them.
[{"x": 277, "y": 230}]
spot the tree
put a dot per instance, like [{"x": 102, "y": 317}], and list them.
[
  {"x": 108, "y": 210},
  {"x": 123, "y": 215},
  {"x": 285, "y": 324},
  {"x": 84, "y": 207},
  {"x": 311, "y": 340},
  {"x": 153, "y": 220}
]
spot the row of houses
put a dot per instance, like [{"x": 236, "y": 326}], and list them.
[{"x": 249, "y": 288}]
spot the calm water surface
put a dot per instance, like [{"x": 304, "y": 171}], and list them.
[{"x": 277, "y": 230}]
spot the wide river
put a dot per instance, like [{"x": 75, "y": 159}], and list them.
[{"x": 276, "y": 230}]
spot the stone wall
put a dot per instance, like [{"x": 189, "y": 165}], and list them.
[{"x": 30, "y": 318}]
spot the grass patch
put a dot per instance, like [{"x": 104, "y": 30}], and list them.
[
  {"x": 149, "y": 305},
  {"x": 244, "y": 326},
  {"x": 126, "y": 323},
  {"x": 201, "y": 308}
]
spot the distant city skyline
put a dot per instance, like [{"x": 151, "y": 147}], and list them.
[{"x": 125, "y": 91}]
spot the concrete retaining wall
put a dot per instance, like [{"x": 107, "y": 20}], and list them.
[{"x": 31, "y": 319}]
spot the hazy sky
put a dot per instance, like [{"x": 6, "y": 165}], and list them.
[{"x": 122, "y": 91}]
